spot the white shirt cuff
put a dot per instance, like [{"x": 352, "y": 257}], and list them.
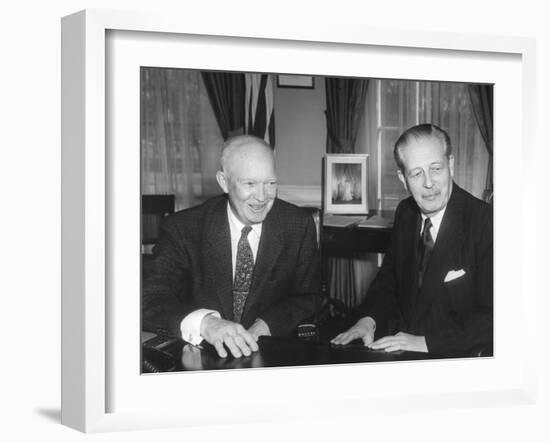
[{"x": 191, "y": 325}]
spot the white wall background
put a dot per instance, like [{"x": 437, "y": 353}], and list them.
[{"x": 30, "y": 217}]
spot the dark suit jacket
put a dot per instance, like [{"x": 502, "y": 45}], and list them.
[
  {"x": 192, "y": 269},
  {"x": 455, "y": 317}
]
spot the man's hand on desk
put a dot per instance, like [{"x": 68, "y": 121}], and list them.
[
  {"x": 222, "y": 333},
  {"x": 401, "y": 341},
  {"x": 259, "y": 328},
  {"x": 363, "y": 329}
]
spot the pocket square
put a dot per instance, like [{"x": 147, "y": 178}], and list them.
[{"x": 454, "y": 274}]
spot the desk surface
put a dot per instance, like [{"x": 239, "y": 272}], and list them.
[{"x": 282, "y": 352}]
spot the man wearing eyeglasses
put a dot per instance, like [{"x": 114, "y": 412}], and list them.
[{"x": 434, "y": 292}]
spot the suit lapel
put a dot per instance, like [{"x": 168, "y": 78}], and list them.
[
  {"x": 218, "y": 249},
  {"x": 449, "y": 239},
  {"x": 269, "y": 249}
]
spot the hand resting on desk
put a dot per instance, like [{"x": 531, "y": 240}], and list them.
[
  {"x": 400, "y": 341},
  {"x": 363, "y": 329},
  {"x": 222, "y": 333}
]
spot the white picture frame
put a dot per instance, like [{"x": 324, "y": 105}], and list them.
[
  {"x": 88, "y": 217},
  {"x": 345, "y": 178}
]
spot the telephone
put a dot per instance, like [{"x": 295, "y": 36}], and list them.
[
  {"x": 156, "y": 361},
  {"x": 307, "y": 331}
]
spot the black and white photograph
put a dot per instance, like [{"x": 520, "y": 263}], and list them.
[
  {"x": 238, "y": 173},
  {"x": 346, "y": 188}
]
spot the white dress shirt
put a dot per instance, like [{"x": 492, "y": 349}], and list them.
[
  {"x": 190, "y": 325},
  {"x": 436, "y": 223}
]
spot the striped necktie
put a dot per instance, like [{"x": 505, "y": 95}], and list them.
[
  {"x": 426, "y": 247},
  {"x": 243, "y": 274}
]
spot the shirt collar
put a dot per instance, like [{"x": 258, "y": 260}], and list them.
[
  {"x": 436, "y": 221},
  {"x": 438, "y": 217},
  {"x": 236, "y": 226}
]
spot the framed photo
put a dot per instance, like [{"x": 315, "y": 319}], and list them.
[
  {"x": 102, "y": 387},
  {"x": 296, "y": 81},
  {"x": 345, "y": 180}
]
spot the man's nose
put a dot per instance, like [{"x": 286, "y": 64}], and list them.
[
  {"x": 260, "y": 192},
  {"x": 428, "y": 182}
]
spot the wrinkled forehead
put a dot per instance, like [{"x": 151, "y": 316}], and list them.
[{"x": 422, "y": 149}]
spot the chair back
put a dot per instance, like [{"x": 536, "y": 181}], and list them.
[{"x": 153, "y": 209}]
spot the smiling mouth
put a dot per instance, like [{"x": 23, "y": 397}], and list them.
[
  {"x": 431, "y": 197},
  {"x": 257, "y": 208}
]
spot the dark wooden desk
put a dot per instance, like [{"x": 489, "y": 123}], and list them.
[
  {"x": 349, "y": 243},
  {"x": 341, "y": 241},
  {"x": 282, "y": 352}
]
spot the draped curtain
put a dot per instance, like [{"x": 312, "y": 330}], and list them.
[
  {"x": 242, "y": 103},
  {"x": 180, "y": 139},
  {"x": 345, "y": 108},
  {"x": 226, "y": 92},
  {"x": 259, "y": 114},
  {"x": 345, "y": 101},
  {"x": 481, "y": 98}
]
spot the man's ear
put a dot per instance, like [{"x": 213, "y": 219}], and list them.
[
  {"x": 221, "y": 178},
  {"x": 402, "y": 179},
  {"x": 452, "y": 164}
]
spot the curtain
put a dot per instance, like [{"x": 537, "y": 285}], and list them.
[
  {"x": 226, "y": 92},
  {"x": 345, "y": 108},
  {"x": 481, "y": 98},
  {"x": 242, "y": 103},
  {"x": 345, "y": 100},
  {"x": 180, "y": 138},
  {"x": 259, "y": 116}
]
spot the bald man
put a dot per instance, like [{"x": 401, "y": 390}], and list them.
[{"x": 239, "y": 266}]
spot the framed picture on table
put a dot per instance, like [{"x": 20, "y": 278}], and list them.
[
  {"x": 346, "y": 184},
  {"x": 102, "y": 385}
]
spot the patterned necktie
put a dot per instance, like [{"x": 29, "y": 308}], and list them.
[
  {"x": 426, "y": 248},
  {"x": 243, "y": 274}
]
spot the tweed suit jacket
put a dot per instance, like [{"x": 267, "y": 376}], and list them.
[
  {"x": 192, "y": 269},
  {"x": 456, "y": 317}
]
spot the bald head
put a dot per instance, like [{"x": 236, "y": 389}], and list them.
[
  {"x": 244, "y": 148},
  {"x": 248, "y": 177}
]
